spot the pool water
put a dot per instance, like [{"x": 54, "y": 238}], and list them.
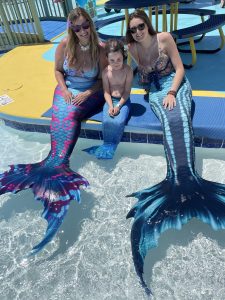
[{"x": 90, "y": 257}]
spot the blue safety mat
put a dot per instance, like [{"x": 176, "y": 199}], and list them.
[{"x": 208, "y": 118}]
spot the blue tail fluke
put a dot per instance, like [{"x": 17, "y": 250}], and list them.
[
  {"x": 105, "y": 151},
  {"x": 166, "y": 206},
  {"x": 55, "y": 187}
]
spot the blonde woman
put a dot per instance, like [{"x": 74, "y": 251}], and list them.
[{"x": 78, "y": 63}]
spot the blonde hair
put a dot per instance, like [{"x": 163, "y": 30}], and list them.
[{"x": 73, "y": 40}]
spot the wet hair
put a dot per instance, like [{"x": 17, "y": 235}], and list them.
[
  {"x": 73, "y": 40},
  {"x": 114, "y": 45},
  {"x": 139, "y": 14}
]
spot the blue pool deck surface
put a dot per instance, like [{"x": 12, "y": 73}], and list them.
[{"x": 206, "y": 78}]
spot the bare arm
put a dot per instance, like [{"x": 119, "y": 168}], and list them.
[
  {"x": 174, "y": 55},
  {"x": 171, "y": 49},
  {"x": 59, "y": 72},
  {"x": 127, "y": 88},
  {"x": 107, "y": 92}
]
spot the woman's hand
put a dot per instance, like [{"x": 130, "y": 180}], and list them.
[
  {"x": 67, "y": 95},
  {"x": 79, "y": 98},
  {"x": 169, "y": 102}
]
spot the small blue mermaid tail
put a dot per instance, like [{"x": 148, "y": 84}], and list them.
[
  {"x": 52, "y": 181},
  {"x": 183, "y": 194},
  {"x": 112, "y": 128},
  {"x": 105, "y": 151}
]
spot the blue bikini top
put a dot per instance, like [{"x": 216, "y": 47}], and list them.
[{"x": 79, "y": 79}]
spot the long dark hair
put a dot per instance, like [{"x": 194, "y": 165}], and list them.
[{"x": 140, "y": 14}]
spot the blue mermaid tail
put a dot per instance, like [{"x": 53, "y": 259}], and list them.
[
  {"x": 52, "y": 181},
  {"x": 104, "y": 151},
  {"x": 183, "y": 194},
  {"x": 112, "y": 129}
]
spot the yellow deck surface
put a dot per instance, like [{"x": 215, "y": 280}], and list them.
[{"x": 29, "y": 80}]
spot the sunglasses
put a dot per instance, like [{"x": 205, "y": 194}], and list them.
[
  {"x": 77, "y": 28},
  {"x": 140, "y": 27}
]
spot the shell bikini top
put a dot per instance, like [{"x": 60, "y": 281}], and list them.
[{"x": 161, "y": 66}]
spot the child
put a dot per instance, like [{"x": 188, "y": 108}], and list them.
[{"x": 117, "y": 79}]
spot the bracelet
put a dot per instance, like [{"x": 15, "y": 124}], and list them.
[
  {"x": 172, "y": 92},
  {"x": 118, "y": 105}
]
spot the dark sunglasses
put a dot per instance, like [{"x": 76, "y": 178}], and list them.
[
  {"x": 140, "y": 27},
  {"x": 77, "y": 28}
]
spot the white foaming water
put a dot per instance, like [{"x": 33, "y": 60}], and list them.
[{"x": 90, "y": 258}]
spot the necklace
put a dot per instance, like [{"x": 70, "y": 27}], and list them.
[{"x": 84, "y": 48}]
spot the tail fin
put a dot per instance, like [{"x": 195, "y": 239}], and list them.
[
  {"x": 55, "y": 187},
  {"x": 166, "y": 206},
  {"x": 105, "y": 151}
]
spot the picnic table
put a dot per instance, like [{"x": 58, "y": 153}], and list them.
[
  {"x": 171, "y": 7},
  {"x": 153, "y": 6}
]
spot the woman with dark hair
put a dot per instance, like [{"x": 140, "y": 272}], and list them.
[
  {"x": 183, "y": 194},
  {"x": 79, "y": 60},
  {"x": 117, "y": 79}
]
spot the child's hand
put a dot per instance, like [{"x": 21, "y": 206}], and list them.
[
  {"x": 116, "y": 110},
  {"x": 111, "y": 111}
]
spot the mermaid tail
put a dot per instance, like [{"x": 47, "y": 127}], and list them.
[
  {"x": 52, "y": 181},
  {"x": 183, "y": 194},
  {"x": 112, "y": 128},
  {"x": 105, "y": 151}
]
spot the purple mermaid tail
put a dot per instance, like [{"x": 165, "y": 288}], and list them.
[{"x": 52, "y": 181}]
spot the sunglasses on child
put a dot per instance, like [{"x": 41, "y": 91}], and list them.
[
  {"x": 77, "y": 28},
  {"x": 140, "y": 27}
]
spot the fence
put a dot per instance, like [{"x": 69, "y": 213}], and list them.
[{"x": 20, "y": 20}]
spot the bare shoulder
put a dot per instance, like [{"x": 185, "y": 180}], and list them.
[
  {"x": 62, "y": 46},
  {"x": 165, "y": 37},
  {"x": 130, "y": 47},
  {"x": 128, "y": 69},
  {"x": 101, "y": 49},
  {"x": 105, "y": 72},
  {"x": 63, "y": 42}
]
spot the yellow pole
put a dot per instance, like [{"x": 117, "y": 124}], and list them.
[
  {"x": 157, "y": 18},
  {"x": 150, "y": 13},
  {"x": 193, "y": 51},
  {"x": 222, "y": 37},
  {"x": 171, "y": 16},
  {"x": 176, "y": 15},
  {"x": 164, "y": 18}
]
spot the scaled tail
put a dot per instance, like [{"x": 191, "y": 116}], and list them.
[
  {"x": 167, "y": 205},
  {"x": 55, "y": 187}
]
